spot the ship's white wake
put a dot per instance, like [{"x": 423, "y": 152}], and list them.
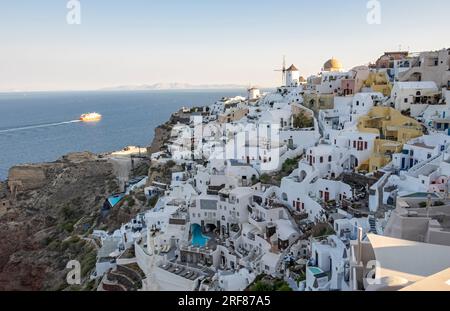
[{"x": 30, "y": 127}]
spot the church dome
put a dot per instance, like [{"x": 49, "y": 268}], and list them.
[{"x": 332, "y": 65}]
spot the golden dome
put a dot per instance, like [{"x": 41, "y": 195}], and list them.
[{"x": 332, "y": 65}]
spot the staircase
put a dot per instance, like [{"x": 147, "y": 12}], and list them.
[{"x": 373, "y": 225}]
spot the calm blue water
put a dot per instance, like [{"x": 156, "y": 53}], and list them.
[{"x": 38, "y": 127}]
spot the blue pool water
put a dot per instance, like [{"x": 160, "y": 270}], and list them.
[
  {"x": 315, "y": 270},
  {"x": 114, "y": 200},
  {"x": 198, "y": 239}
]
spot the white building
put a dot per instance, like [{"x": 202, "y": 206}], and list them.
[
  {"x": 254, "y": 93},
  {"x": 332, "y": 82},
  {"x": 414, "y": 96},
  {"x": 420, "y": 149},
  {"x": 292, "y": 76},
  {"x": 328, "y": 268}
]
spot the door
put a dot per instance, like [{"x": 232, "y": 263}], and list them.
[{"x": 327, "y": 197}]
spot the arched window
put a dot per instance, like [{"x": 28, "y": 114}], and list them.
[{"x": 330, "y": 158}]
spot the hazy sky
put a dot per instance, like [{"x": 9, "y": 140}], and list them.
[{"x": 201, "y": 41}]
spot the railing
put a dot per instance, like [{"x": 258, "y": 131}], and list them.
[{"x": 423, "y": 163}]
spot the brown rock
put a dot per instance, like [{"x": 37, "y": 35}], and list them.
[{"x": 26, "y": 177}]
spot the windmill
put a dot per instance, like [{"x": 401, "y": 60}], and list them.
[{"x": 283, "y": 72}]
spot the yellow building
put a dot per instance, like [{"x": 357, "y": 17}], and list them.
[
  {"x": 394, "y": 130},
  {"x": 379, "y": 82},
  {"x": 317, "y": 102},
  {"x": 232, "y": 115}
]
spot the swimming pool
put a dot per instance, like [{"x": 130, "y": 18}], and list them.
[
  {"x": 315, "y": 270},
  {"x": 198, "y": 239}
]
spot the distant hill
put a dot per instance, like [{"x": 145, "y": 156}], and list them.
[{"x": 173, "y": 86}]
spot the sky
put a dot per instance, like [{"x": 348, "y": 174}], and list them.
[{"x": 137, "y": 42}]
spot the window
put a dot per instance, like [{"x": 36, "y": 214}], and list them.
[
  {"x": 321, "y": 159},
  {"x": 330, "y": 159},
  {"x": 406, "y": 100}
]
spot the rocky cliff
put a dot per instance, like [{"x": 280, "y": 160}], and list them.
[
  {"x": 51, "y": 207},
  {"x": 164, "y": 131},
  {"x": 48, "y": 210}
]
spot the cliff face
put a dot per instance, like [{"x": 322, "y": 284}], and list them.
[
  {"x": 50, "y": 207},
  {"x": 164, "y": 131},
  {"x": 162, "y": 135},
  {"x": 48, "y": 210}
]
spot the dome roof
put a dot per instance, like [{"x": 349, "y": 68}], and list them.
[{"x": 332, "y": 65}]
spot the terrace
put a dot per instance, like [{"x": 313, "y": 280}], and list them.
[{"x": 266, "y": 204}]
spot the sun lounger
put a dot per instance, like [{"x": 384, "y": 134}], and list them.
[
  {"x": 193, "y": 277},
  {"x": 180, "y": 271}
]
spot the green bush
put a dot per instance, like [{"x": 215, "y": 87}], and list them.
[
  {"x": 284, "y": 288},
  {"x": 265, "y": 178},
  {"x": 261, "y": 286},
  {"x": 289, "y": 166},
  {"x": 266, "y": 284},
  {"x": 131, "y": 202},
  {"x": 68, "y": 226},
  {"x": 152, "y": 202},
  {"x": 88, "y": 263}
]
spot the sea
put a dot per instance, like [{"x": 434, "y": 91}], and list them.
[{"x": 43, "y": 126}]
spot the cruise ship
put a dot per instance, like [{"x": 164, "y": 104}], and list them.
[{"x": 91, "y": 117}]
